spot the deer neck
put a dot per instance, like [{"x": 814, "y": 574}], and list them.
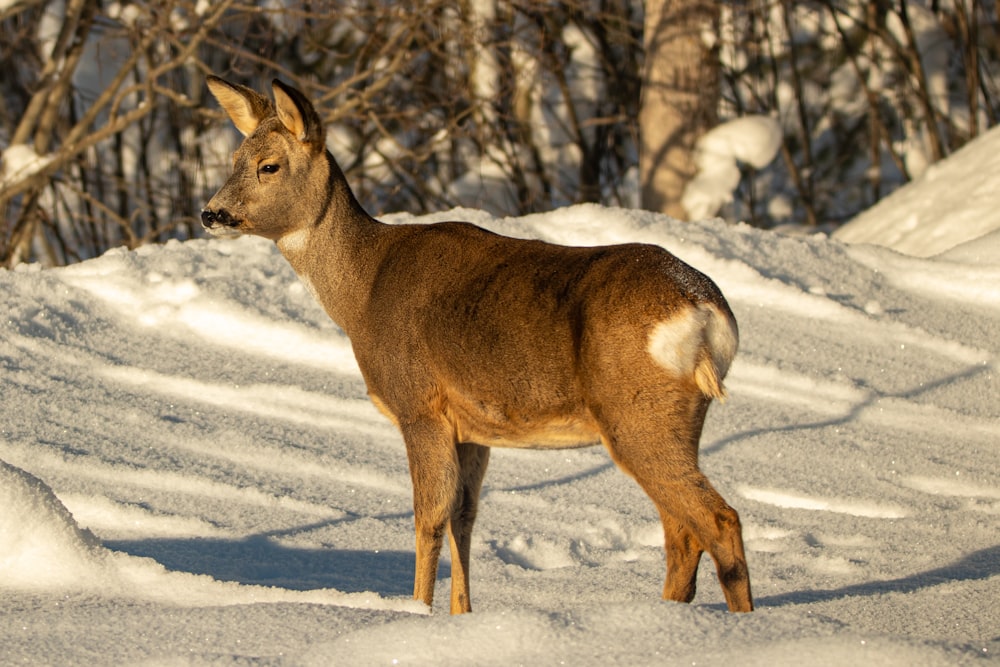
[{"x": 335, "y": 255}]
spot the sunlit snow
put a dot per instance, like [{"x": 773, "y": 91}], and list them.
[{"x": 191, "y": 471}]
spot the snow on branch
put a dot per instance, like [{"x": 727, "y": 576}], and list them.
[
  {"x": 752, "y": 140},
  {"x": 20, "y": 162}
]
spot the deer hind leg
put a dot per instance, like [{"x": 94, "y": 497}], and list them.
[
  {"x": 472, "y": 462},
  {"x": 434, "y": 471},
  {"x": 683, "y": 554},
  {"x": 715, "y": 525},
  {"x": 695, "y": 517}
]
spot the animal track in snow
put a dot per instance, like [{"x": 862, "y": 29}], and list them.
[{"x": 590, "y": 544}]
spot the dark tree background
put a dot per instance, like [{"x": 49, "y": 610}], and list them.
[{"x": 108, "y": 136}]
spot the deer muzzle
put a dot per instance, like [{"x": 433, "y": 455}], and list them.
[{"x": 211, "y": 220}]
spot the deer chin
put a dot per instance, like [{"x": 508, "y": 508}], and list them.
[{"x": 225, "y": 231}]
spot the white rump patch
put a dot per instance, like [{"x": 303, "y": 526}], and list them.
[{"x": 676, "y": 344}]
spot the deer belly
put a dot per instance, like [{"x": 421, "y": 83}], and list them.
[{"x": 495, "y": 428}]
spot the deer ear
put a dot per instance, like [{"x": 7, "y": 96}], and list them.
[
  {"x": 246, "y": 107},
  {"x": 298, "y": 115}
]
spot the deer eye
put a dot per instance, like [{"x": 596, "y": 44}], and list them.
[{"x": 269, "y": 169}]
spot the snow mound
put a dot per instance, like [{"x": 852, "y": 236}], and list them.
[
  {"x": 982, "y": 250},
  {"x": 41, "y": 546},
  {"x": 952, "y": 202}
]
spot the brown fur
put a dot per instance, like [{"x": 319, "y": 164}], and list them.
[{"x": 467, "y": 339}]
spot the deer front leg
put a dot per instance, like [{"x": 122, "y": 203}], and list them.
[
  {"x": 434, "y": 470},
  {"x": 472, "y": 461}
]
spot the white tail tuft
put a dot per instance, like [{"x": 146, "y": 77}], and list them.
[
  {"x": 721, "y": 339},
  {"x": 706, "y": 376}
]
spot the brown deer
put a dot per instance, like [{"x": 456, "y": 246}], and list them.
[{"x": 469, "y": 340}]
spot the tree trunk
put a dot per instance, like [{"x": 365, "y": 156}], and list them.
[{"x": 680, "y": 95}]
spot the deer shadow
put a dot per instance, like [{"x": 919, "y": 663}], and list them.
[{"x": 262, "y": 561}]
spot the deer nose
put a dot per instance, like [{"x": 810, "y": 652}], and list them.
[{"x": 210, "y": 218}]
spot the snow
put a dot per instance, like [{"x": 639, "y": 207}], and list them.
[
  {"x": 18, "y": 162},
  {"x": 129, "y": 15},
  {"x": 191, "y": 472},
  {"x": 953, "y": 201},
  {"x": 753, "y": 140}
]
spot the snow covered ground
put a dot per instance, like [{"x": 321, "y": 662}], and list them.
[
  {"x": 191, "y": 472},
  {"x": 232, "y": 496},
  {"x": 952, "y": 202}
]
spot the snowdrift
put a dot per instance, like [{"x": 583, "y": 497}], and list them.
[{"x": 952, "y": 202}]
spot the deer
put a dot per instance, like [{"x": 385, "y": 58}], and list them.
[{"x": 468, "y": 340}]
